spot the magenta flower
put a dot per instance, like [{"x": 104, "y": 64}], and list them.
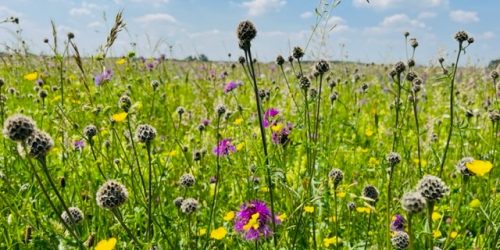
[
  {"x": 230, "y": 86},
  {"x": 270, "y": 113},
  {"x": 224, "y": 148},
  {"x": 253, "y": 220},
  {"x": 282, "y": 137},
  {"x": 398, "y": 223},
  {"x": 79, "y": 145},
  {"x": 104, "y": 77}
]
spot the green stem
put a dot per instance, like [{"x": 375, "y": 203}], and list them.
[
  {"x": 430, "y": 209},
  {"x": 150, "y": 197}
]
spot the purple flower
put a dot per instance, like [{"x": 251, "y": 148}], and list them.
[
  {"x": 224, "y": 148},
  {"x": 79, "y": 144},
  {"x": 398, "y": 223},
  {"x": 271, "y": 112},
  {"x": 230, "y": 86},
  {"x": 281, "y": 137},
  {"x": 104, "y": 77},
  {"x": 253, "y": 220},
  {"x": 205, "y": 122}
]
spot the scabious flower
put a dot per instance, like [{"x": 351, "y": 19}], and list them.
[
  {"x": 230, "y": 86},
  {"x": 224, "y": 147},
  {"x": 398, "y": 223},
  {"x": 103, "y": 77},
  {"x": 281, "y": 137},
  {"x": 79, "y": 145},
  {"x": 270, "y": 113},
  {"x": 253, "y": 220}
]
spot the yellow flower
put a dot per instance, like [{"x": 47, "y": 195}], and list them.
[
  {"x": 106, "y": 244},
  {"x": 369, "y": 132},
  {"x": 372, "y": 162},
  {"x": 172, "y": 153},
  {"x": 202, "y": 231},
  {"x": 218, "y": 233},
  {"x": 436, "y": 234},
  {"x": 332, "y": 219},
  {"x": 436, "y": 216},
  {"x": 453, "y": 234},
  {"x": 252, "y": 223},
  {"x": 277, "y": 128},
  {"x": 119, "y": 117},
  {"x": 31, "y": 76},
  {"x": 478, "y": 167},
  {"x": 229, "y": 216},
  {"x": 331, "y": 241},
  {"x": 264, "y": 189},
  {"x": 240, "y": 146},
  {"x": 238, "y": 121},
  {"x": 423, "y": 162},
  {"x": 364, "y": 210},
  {"x": 121, "y": 61},
  {"x": 309, "y": 209},
  {"x": 282, "y": 217},
  {"x": 475, "y": 203},
  {"x": 341, "y": 194}
]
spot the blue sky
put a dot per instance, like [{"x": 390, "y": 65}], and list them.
[{"x": 363, "y": 32}]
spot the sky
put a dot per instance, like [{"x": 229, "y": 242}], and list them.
[{"x": 354, "y": 30}]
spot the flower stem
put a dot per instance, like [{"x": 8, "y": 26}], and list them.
[
  {"x": 430, "y": 209},
  {"x": 150, "y": 196}
]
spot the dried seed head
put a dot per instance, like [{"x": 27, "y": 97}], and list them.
[
  {"x": 462, "y": 166},
  {"x": 393, "y": 158},
  {"x": 297, "y": 53},
  {"x": 90, "y": 131},
  {"x": 111, "y": 194},
  {"x": 461, "y": 36},
  {"x": 494, "y": 116},
  {"x": 187, "y": 180},
  {"x": 470, "y": 40},
  {"x": 411, "y": 63},
  {"x": 38, "y": 144},
  {"x": 178, "y": 201},
  {"x": 305, "y": 83},
  {"x": 180, "y": 110},
  {"x": 76, "y": 216},
  {"x": 246, "y": 32},
  {"x": 351, "y": 205},
  {"x": 322, "y": 67},
  {"x": 406, "y": 34},
  {"x": 145, "y": 133},
  {"x": 18, "y": 127},
  {"x": 220, "y": 109},
  {"x": 125, "y": 103},
  {"x": 494, "y": 75},
  {"x": 336, "y": 175},
  {"x": 280, "y": 60},
  {"x": 400, "y": 240},
  {"x": 399, "y": 67},
  {"x": 413, "y": 43},
  {"x": 411, "y": 76},
  {"x": 241, "y": 60},
  {"x": 413, "y": 202},
  {"x": 155, "y": 84},
  {"x": 189, "y": 205},
  {"x": 42, "y": 94},
  {"x": 432, "y": 188},
  {"x": 371, "y": 192}
]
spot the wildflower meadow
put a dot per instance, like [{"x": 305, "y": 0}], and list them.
[{"x": 122, "y": 151}]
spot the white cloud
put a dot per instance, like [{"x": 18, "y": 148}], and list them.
[
  {"x": 462, "y": 16},
  {"x": 488, "y": 35},
  {"x": 204, "y": 33},
  {"x": 95, "y": 24},
  {"x": 398, "y": 22},
  {"x": 84, "y": 10},
  {"x": 156, "y": 17},
  {"x": 306, "y": 15},
  {"x": 258, "y": 7},
  {"x": 150, "y": 1},
  {"x": 426, "y": 15},
  {"x": 6, "y": 12},
  {"x": 337, "y": 24},
  {"x": 386, "y": 4}
]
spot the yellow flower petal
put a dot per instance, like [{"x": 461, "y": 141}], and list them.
[
  {"x": 172, "y": 153},
  {"x": 369, "y": 132},
  {"x": 341, "y": 194},
  {"x": 121, "y": 61},
  {"x": 240, "y": 146},
  {"x": 119, "y": 117},
  {"x": 238, "y": 121},
  {"x": 202, "y": 231},
  {"x": 436, "y": 234},
  {"x": 106, "y": 244},
  {"x": 372, "y": 162},
  {"x": 475, "y": 203},
  {"x": 479, "y": 168},
  {"x": 453, "y": 234},
  {"x": 229, "y": 216},
  {"x": 364, "y": 210},
  {"x": 277, "y": 128},
  {"x": 218, "y": 233},
  {"x": 31, "y": 76},
  {"x": 436, "y": 216},
  {"x": 309, "y": 209},
  {"x": 331, "y": 241},
  {"x": 282, "y": 217}
]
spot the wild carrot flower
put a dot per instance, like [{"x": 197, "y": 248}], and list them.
[
  {"x": 253, "y": 220},
  {"x": 224, "y": 147}
]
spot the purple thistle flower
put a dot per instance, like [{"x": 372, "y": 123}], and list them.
[
  {"x": 103, "y": 77},
  {"x": 253, "y": 220},
  {"x": 205, "y": 122},
  {"x": 398, "y": 223},
  {"x": 150, "y": 66},
  {"x": 79, "y": 144},
  {"x": 224, "y": 148},
  {"x": 271, "y": 112},
  {"x": 230, "y": 86}
]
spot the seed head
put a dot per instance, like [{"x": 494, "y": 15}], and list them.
[
  {"x": 111, "y": 194},
  {"x": 411, "y": 76},
  {"x": 90, "y": 131},
  {"x": 187, "y": 180},
  {"x": 322, "y": 67},
  {"x": 413, "y": 202},
  {"x": 494, "y": 75},
  {"x": 178, "y": 201},
  {"x": 432, "y": 188},
  {"x": 18, "y": 127},
  {"x": 2, "y": 82},
  {"x": 336, "y": 175},
  {"x": 125, "y": 103},
  {"x": 351, "y": 205},
  {"x": 71, "y": 35},
  {"x": 38, "y": 144},
  {"x": 399, "y": 67},
  {"x": 241, "y": 60},
  {"x": 280, "y": 60},
  {"x": 371, "y": 192},
  {"x": 393, "y": 158},
  {"x": 297, "y": 53},
  {"x": 413, "y": 43},
  {"x": 461, "y": 36},
  {"x": 406, "y": 34},
  {"x": 145, "y": 133},
  {"x": 189, "y": 205},
  {"x": 76, "y": 215},
  {"x": 462, "y": 166},
  {"x": 305, "y": 83},
  {"x": 220, "y": 109},
  {"x": 494, "y": 116},
  {"x": 155, "y": 84},
  {"x": 470, "y": 40},
  {"x": 246, "y": 32},
  {"x": 411, "y": 63},
  {"x": 400, "y": 240}
]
